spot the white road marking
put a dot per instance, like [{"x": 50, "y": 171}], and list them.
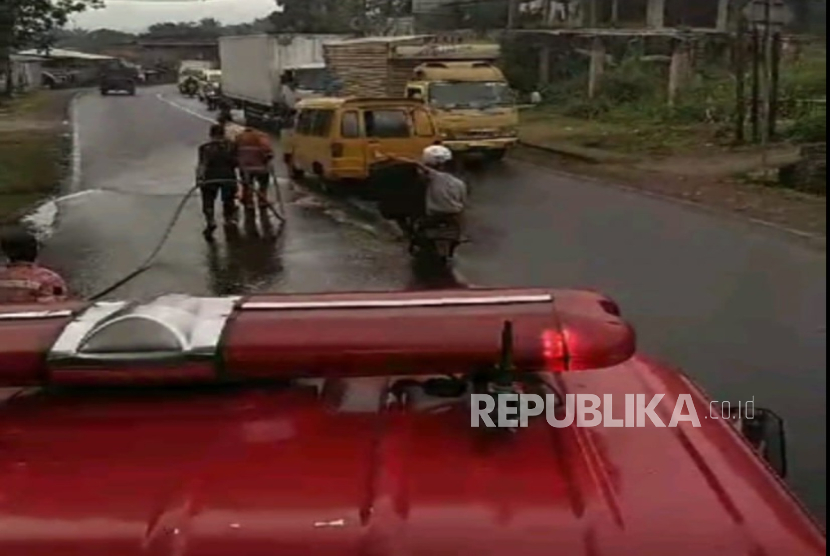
[
  {"x": 42, "y": 218},
  {"x": 75, "y": 178},
  {"x": 185, "y": 109},
  {"x": 232, "y": 127}
]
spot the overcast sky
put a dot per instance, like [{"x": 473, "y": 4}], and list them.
[{"x": 136, "y": 15}]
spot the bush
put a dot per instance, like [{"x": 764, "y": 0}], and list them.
[
  {"x": 806, "y": 78},
  {"x": 587, "y": 109},
  {"x": 811, "y": 128},
  {"x": 631, "y": 82}
]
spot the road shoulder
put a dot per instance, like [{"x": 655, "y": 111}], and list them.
[
  {"x": 789, "y": 210},
  {"x": 34, "y": 146}
]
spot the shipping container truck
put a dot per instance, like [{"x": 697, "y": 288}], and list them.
[{"x": 264, "y": 75}]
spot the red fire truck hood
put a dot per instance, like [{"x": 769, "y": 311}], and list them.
[
  {"x": 290, "y": 472},
  {"x": 326, "y": 466}
]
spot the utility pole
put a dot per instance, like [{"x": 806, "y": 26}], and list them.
[
  {"x": 739, "y": 61},
  {"x": 512, "y": 13},
  {"x": 7, "y": 23},
  {"x": 767, "y": 17},
  {"x": 756, "y": 84},
  {"x": 775, "y": 77},
  {"x": 767, "y": 88}
]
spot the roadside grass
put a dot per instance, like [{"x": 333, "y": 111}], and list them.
[
  {"x": 643, "y": 137},
  {"x": 631, "y": 116},
  {"x": 31, "y": 150}
]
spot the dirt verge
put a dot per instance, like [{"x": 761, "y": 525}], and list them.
[
  {"x": 34, "y": 144},
  {"x": 692, "y": 163},
  {"x": 803, "y": 214}
]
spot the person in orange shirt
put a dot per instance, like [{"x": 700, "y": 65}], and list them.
[{"x": 255, "y": 155}]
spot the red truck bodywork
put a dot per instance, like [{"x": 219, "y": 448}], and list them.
[{"x": 325, "y": 465}]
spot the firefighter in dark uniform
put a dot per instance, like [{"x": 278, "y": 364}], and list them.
[{"x": 217, "y": 177}]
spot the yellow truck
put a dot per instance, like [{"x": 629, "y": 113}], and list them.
[{"x": 467, "y": 94}]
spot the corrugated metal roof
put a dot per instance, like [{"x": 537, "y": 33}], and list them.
[
  {"x": 375, "y": 40},
  {"x": 26, "y": 58},
  {"x": 63, "y": 53}
]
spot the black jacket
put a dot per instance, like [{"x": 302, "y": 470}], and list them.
[
  {"x": 217, "y": 161},
  {"x": 401, "y": 190}
]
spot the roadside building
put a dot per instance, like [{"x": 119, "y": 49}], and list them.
[
  {"x": 172, "y": 51},
  {"x": 26, "y": 74},
  {"x": 69, "y": 68}
]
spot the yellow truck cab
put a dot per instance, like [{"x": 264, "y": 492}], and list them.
[
  {"x": 472, "y": 103},
  {"x": 342, "y": 138}
]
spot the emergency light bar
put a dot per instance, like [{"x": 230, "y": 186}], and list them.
[{"x": 177, "y": 339}]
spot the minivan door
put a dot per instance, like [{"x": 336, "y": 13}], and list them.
[
  {"x": 388, "y": 131},
  {"x": 352, "y": 159}
]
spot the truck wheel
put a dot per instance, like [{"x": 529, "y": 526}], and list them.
[
  {"x": 104, "y": 92},
  {"x": 497, "y": 155},
  {"x": 294, "y": 172}
]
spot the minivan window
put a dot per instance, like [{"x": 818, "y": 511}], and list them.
[
  {"x": 350, "y": 125},
  {"x": 387, "y": 124},
  {"x": 321, "y": 125},
  {"x": 305, "y": 121}
]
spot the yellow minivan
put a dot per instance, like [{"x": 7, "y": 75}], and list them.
[{"x": 340, "y": 138}]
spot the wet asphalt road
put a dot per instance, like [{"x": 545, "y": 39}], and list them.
[{"x": 739, "y": 307}]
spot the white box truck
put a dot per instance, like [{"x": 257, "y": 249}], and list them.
[{"x": 258, "y": 69}]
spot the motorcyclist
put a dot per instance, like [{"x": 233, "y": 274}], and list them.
[
  {"x": 255, "y": 156},
  {"x": 22, "y": 280},
  {"x": 212, "y": 95},
  {"x": 446, "y": 194},
  {"x": 216, "y": 175},
  {"x": 225, "y": 116},
  {"x": 190, "y": 86}
]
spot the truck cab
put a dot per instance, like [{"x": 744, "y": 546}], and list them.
[{"x": 472, "y": 103}]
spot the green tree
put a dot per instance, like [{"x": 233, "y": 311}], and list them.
[
  {"x": 33, "y": 23},
  {"x": 91, "y": 41},
  {"x": 204, "y": 29},
  {"x": 316, "y": 16}
]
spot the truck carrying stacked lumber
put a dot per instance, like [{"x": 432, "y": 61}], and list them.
[
  {"x": 382, "y": 66},
  {"x": 364, "y": 66}
]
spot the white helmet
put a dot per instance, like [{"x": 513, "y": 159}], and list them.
[{"x": 436, "y": 155}]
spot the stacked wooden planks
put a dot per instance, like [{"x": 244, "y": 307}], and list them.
[{"x": 364, "y": 67}]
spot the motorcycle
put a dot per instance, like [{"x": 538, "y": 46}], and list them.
[
  {"x": 435, "y": 239},
  {"x": 190, "y": 87},
  {"x": 212, "y": 98}
]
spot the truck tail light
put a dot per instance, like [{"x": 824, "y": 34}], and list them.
[{"x": 336, "y": 150}]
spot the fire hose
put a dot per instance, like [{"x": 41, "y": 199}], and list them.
[{"x": 149, "y": 262}]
